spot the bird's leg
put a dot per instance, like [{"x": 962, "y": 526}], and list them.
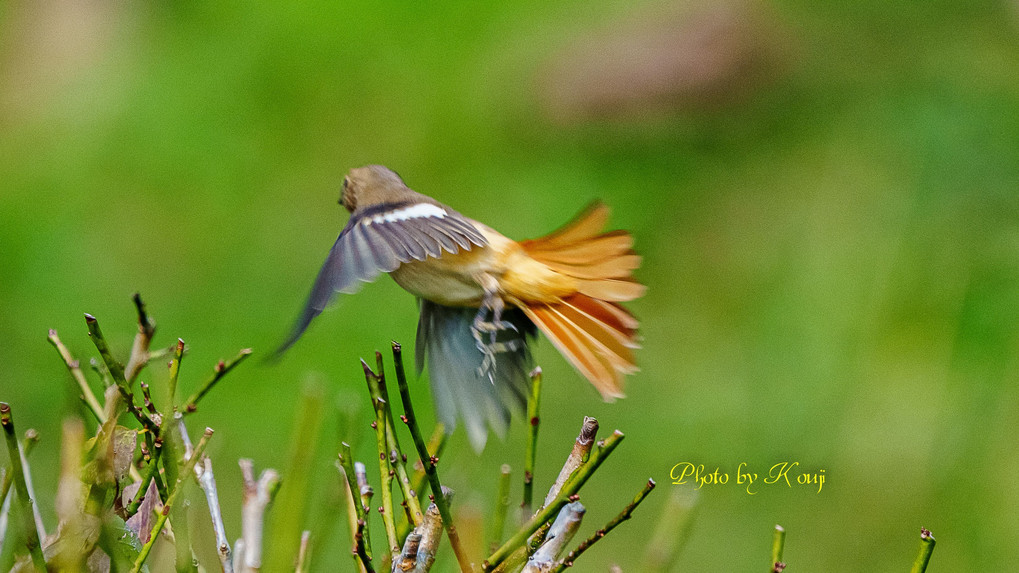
[{"x": 494, "y": 303}]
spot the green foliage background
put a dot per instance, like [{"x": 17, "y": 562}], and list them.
[{"x": 832, "y": 263}]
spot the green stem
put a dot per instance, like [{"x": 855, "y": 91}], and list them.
[
  {"x": 74, "y": 367},
  {"x": 117, "y": 373},
  {"x": 150, "y": 473},
  {"x": 222, "y": 369},
  {"x": 189, "y": 467},
  {"x": 926, "y": 550},
  {"x": 501, "y": 505},
  {"x": 436, "y": 444},
  {"x": 21, "y": 488},
  {"x": 533, "y": 401},
  {"x": 550, "y": 510},
  {"x": 396, "y": 457},
  {"x": 428, "y": 462},
  {"x": 178, "y": 355},
  {"x": 360, "y": 510},
  {"x": 623, "y": 516},
  {"x": 777, "y": 545},
  {"x": 96, "y": 334},
  {"x": 385, "y": 469}
]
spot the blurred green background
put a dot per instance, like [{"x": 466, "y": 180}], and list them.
[{"x": 824, "y": 193}]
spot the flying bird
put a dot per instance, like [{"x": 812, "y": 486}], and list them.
[{"x": 483, "y": 296}]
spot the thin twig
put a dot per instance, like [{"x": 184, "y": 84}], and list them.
[
  {"x": 397, "y": 459},
  {"x": 926, "y": 550},
  {"x": 207, "y": 481},
  {"x": 501, "y": 505},
  {"x": 257, "y": 497},
  {"x": 189, "y": 466},
  {"x": 171, "y": 386},
  {"x": 533, "y": 403},
  {"x": 352, "y": 508},
  {"x": 303, "y": 553},
  {"x": 578, "y": 456},
  {"x": 99, "y": 367},
  {"x": 436, "y": 444},
  {"x": 623, "y": 516},
  {"x": 117, "y": 373},
  {"x": 570, "y": 488},
  {"x": 777, "y": 545},
  {"x": 562, "y": 531},
  {"x": 74, "y": 367},
  {"x": 385, "y": 470},
  {"x": 429, "y": 463},
  {"x": 96, "y": 334},
  {"x": 360, "y": 548},
  {"x": 150, "y": 472},
  {"x": 31, "y": 439},
  {"x": 221, "y": 370},
  {"x": 140, "y": 348},
  {"x": 361, "y": 508},
  {"x": 19, "y": 472}
]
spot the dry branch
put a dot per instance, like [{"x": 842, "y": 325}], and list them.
[
  {"x": 578, "y": 456},
  {"x": 562, "y": 531},
  {"x": 257, "y": 497}
]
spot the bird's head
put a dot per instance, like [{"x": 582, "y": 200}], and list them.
[{"x": 371, "y": 185}]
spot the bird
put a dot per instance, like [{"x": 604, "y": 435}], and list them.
[{"x": 483, "y": 297}]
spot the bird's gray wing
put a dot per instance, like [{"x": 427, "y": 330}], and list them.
[
  {"x": 445, "y": 343},
  {"x": 378, "y": 239}
]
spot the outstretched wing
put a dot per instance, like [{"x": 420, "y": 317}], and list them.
[{"x": 378, "y": 239}]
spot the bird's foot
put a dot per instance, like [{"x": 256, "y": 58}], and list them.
[
  {"x": 490, "y": 353},
  {"x": 491, "y": 347}
]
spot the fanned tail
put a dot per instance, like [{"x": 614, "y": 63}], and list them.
[{"x": 595, "y": 333}]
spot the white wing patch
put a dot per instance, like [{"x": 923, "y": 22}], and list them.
[{"x": 418, "y": 211}]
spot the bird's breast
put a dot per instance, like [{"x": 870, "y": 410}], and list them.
[{"x": 448, "y": 280}]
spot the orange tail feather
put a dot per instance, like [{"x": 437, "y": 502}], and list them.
[{"x": 590, "y": 328}]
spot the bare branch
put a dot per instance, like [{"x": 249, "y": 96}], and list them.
[
  {"x": 207, "y": 481},
  {"x": 140, "y": 348},
  {"x": 355, "y": 477},
  {"x": 570, "y": 488},
  {"x": 578, "y": 455},
  {"x": 562, "y": 531},
  {"x": 257, "y": 497},
  {"x": 221, "y": 370}
]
